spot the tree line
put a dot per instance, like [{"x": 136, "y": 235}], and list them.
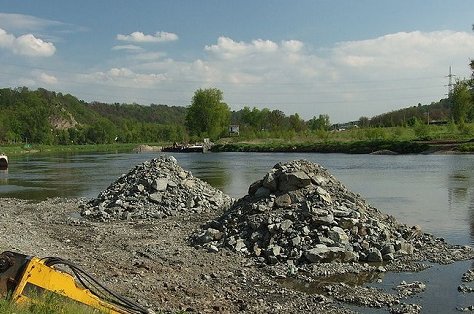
[
  {"x": 46, "y": 117},
  {"x": 209, "y": 116}
]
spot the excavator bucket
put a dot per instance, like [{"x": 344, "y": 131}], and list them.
[
  {"x": 23, "y": 278},
  {"x": 12, "y": 266}
]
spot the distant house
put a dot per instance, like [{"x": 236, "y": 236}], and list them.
[{"x": 234, "y": 130}]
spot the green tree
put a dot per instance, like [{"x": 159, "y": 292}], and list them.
[
  {"x": 100, "y": 132},
  {"x": 277, "y": 120},
  {"x": 208, "y": 115},
  {"x": 461, "y": 102},
  {"x": 422, "y": 130},
  {"x": 320, "y": 123},
  {"x": 364, "y": 122},
  {"x": 296, "y": 123}
]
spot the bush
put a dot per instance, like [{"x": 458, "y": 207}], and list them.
[
  {"x": 466, "y": 148},
  {"x": 422, "y": 131},
  {"x": 375, "y": 134},
  {"x": 466, "y": 129}
]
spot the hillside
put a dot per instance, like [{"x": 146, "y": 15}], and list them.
[
  {"x": 436, "y": 111},
  {"x": 160, "y": 114},
  {"x": 47, "y": 117}
]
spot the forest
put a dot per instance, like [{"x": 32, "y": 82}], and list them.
[{"x": 47, "y": 117}]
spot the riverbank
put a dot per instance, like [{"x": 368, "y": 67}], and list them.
[
  {"x": 351, "y": 147},
  {"x": 15, "y": 150},
  {"x": 277, "y": 146}
]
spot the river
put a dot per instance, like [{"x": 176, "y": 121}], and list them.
[{"x": 433, "y": 191}]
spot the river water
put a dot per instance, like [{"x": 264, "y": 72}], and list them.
[{"x": 433, "y": 191}]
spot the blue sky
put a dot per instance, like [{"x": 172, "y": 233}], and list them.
[{"x": 343, "y": 58}]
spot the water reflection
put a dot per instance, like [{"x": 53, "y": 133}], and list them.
[
  {"x": 318, "y": 284},
  {"x": 458, "y": 188},
  {"x": 461, "y": 190},
  {"x": 4, "y": 176},
  {"x": 214, "y": 172}
]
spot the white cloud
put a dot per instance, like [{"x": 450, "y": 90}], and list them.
[
  {"x": 394, "y": 55},
  {"x": 123, "y": 77},
  {"x": 292, "y": 45},
  {"x": 47, "y": 79},
  {"x": 148, "y": 56},
  {"x": 6, "y": 40},
  {"x": 127, "y": 47},
  {"x": 227, "y": 48},
  {"x": 139, "y": 37},
  {"x": 22, "y": 23},
  {"x": 25, "y": 22},
  {"x": 29, "y": 45},
  {"x": 26, "y": 45},
  {"x": 264, "y": 45},
  {"x": 413, "y": 50}
]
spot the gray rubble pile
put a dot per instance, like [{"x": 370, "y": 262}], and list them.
[
  {"x": 155, "y": 189},
  {"x": 300, "y": 213}
]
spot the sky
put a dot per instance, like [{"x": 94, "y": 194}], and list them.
[{"x": 343, "y": 58}]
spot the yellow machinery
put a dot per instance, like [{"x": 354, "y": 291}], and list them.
[{"x": 24, "y": 278}]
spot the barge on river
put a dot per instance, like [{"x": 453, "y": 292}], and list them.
[
  {"x": 185, "y": 149},
  {"x": 3, "y": 162},
  {"x": 189, "y": 148}
]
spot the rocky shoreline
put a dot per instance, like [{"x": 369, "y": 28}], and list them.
[{"x": 166, "y": 239}]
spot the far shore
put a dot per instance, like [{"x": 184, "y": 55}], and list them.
[{"x": 375, "y": 147}]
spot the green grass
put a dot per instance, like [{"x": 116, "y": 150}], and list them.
[
  {"x": 356, "y": 140},
  {"x": 22, "y": 149},
  {"x": 419, "y": 132},
  {"x": 466, "y": 148},
  {"x": 48, "y": 304}
]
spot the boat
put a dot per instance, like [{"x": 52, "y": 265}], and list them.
[
  {"x": 203, "y": 147},
  {"x": 3, "y": 162},
  {"x": 185, "y": 149}
]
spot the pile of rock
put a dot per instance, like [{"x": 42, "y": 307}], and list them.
[
  {"x": 299, "y": 212},
  {"x": 155, "y": 189}
]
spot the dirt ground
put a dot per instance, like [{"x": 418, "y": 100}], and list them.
[{"x": 152, "y": 263}]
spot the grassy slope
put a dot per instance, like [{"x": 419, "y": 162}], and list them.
[{"x": 398, "y": 139}]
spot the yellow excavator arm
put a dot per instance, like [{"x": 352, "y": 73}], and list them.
[{"x": 25, "y": 278}]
